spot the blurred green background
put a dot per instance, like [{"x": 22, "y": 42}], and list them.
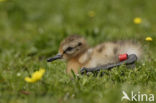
[{"x": 31, "y": 30}]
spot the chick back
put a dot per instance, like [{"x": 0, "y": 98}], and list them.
[{"x": 108, "y": 52}]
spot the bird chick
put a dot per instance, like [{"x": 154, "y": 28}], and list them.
[{"x": 75, "y": 50}]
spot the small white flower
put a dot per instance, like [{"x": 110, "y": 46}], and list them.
[{"x": 18, "y": 74}]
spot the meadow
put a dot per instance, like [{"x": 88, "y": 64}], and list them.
[{"x": 31, "y": 31}]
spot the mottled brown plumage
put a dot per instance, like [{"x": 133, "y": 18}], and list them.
[{"x": 78, "y": 54}]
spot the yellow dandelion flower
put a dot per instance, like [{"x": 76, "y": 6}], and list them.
[
  {"x": 137, "y": 20},
  {"x": 30, "y": 80},
  {"x": 35, "y": 76},
  {"x": 148, "y": 39},
  {"x": 91, "y": 13}
]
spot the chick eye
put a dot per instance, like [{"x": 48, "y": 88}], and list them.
[{"x": 69, "y": 49}]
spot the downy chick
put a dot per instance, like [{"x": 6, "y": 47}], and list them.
[{"x": 75, "y": 50}]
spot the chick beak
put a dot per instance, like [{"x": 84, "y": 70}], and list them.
[{"x": 58, "y": 56}]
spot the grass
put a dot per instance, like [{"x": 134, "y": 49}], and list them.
[{"x": 31, "y": 30}]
